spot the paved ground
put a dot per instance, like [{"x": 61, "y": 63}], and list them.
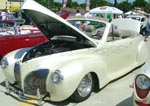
[{"x": 116, "y": 93}]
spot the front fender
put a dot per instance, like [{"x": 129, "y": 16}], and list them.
[
  {"x": 142, "y": 52},
  {"x": 12, "y": 58},
  {"x": 73, "y": 72}
]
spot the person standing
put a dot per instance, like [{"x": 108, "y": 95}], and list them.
[
  {"x": 87, "y": 14},
  {"x": 77, "y": 23},
  {"x": 4, "y": 15},
  {"x": 147, "y": 29},
  {"x": 78, "y": 13},
  {"x": 148, "y": 25},
  {"x": 109, "y": 17}
]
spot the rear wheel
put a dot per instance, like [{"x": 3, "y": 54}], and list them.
[{"x": 84, "y": 89}]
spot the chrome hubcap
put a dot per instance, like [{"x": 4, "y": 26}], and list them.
[{"x": 85, "y": 86}]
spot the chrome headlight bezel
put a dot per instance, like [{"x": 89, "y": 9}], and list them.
[
  {"x": 57, "y": 77},
  {"x": 4, "y": 62},
  {"x": 142, "y": 82}
]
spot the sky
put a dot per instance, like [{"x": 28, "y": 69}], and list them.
[{"x": 83, "y": 1}]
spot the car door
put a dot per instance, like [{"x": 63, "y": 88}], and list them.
[
  {"x": 120, "y": 53},
  {"x": 29, "y": 40},
  {"x": 120, "y": 56}
]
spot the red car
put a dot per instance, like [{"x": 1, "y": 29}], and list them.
[
  {"x": 64, "y": 15},
  {"x": 13, "y": 37}
]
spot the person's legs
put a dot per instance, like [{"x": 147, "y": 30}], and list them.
[{"x": 146, "y": 35}]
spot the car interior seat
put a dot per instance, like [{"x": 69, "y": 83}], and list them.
[{"x": 90, "y": 30}]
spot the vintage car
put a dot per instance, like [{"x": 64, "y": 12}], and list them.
[
  {"x": 139, "y": 17},
  {"x": 74, "y": 62},
  {"x": 13, "y": 37},
  {"x": 141, "y": 94}
]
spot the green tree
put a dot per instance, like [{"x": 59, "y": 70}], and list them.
[
  {"x": 75, "y": 5},
  {"x": 42, "y": 2},
  {"x": 93, "y": 4},
  {"x": 97, "y": 3},
  {"x": 139, "y": 3},
  {"x": 115, "y": 3},
  {"x": 69, "y": 3},
  {"x": 49, "y": 3},
  {"x": 103, "y": 3},
  {"x": 142, "y": 4},
  {"x": 83, "y": 5},
  {"x": 148, "y": 10},
  {"x": 125, "y": 6}
]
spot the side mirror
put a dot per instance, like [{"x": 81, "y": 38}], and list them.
[{"x": 143, "y": 19}]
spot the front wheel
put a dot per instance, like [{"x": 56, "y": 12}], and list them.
[{"x": 84, "y": 89}]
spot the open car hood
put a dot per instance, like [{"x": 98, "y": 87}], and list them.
[{"x": 50, "y": 23}]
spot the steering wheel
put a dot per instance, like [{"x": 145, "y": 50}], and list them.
[{"x": 98, "y": 35}]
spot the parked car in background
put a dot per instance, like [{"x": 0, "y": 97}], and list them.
[
  {"x": 139, "y": 17},
  {"x": 13, "y": 37},
  {"x": 141, "y": 94},
  {"x": 74, "y": 62},
  {"x": 64, "y": 14}
]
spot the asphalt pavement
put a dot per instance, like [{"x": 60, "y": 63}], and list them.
[{"x": 116, "y": 93}]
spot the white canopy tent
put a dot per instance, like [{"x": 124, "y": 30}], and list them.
[
  {"x": 130, "y": 12},
  {"x": 106, "y": 10}
]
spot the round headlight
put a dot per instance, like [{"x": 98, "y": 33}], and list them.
[
  {"x": 57, "y": 77},
  {"x": 4, "y": 62},
  {"x": 142, "y": 82}
]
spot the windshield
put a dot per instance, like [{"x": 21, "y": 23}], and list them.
[
  {"x": 135, "y": 18},
  {"x": 93, "y": 29},
  {"x": 4, "y": 24},
  {"x": 6, "y": 28}
]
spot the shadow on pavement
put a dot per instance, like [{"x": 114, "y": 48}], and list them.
[
  {"x": 2, "y": 83},
  {"x": 126, "y": 102},
  {"x": 63, "y": 103}
]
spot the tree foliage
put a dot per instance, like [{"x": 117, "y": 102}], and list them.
[
  {"x": 69, "y": 3},
  {"x": 139, "y": 3},
  {"x": 142, "y": 4},
  {"x": 96, "y": 3},
  {"x": 124, "y": 6},
  {"x": 75, "y": 4}
]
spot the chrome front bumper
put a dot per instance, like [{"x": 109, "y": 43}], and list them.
[{"x": 10, "y": 88}]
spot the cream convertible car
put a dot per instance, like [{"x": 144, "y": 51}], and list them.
[
  {"x": 73, "y": 63},
  {"x": 141, "y": 94}
]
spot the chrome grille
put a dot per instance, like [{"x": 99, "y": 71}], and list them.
[
  {"x": 36, "y": 80},
  {"x": 17, "y": 74}
]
